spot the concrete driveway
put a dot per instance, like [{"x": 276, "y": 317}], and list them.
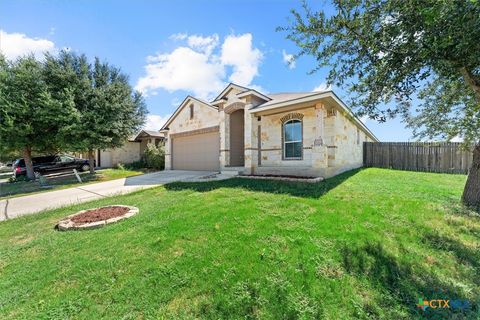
[{"x": 16, "y": 207}]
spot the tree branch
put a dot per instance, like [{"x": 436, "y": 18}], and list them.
[{"x": 467, "y": 76}]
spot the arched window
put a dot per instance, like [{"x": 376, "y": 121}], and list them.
[{"x": 292, "y": 139}]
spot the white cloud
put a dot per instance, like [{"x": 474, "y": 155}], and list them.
[
  {"x": 322, "y": 87},
  {"x": 182, "y": 69},
  {"x": 237, "y": 51},
  {"x": 178, "y": 36},
  {"x": 200, "y": 66},
  {"x": 288, "y": 59},
  {"x": 155, "y": 122},
  {"x": 14, "y": 45},
  {"x": 203, "y": 44}
]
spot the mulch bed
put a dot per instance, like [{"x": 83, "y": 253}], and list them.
[{"x": 100, "y": 214}]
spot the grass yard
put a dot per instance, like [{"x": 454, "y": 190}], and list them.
[
  {"x": 364, "y": 245},
  {"x": 21, "y": 188}
]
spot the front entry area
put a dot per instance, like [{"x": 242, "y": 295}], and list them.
[
  {"x": 196, "y": 152},
  {"x": 237, "y": 138}
]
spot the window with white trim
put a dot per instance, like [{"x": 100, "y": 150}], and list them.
[{"x": 292, "y": 139}]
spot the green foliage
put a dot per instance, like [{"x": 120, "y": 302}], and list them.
[
  {"x": 154, "y": 156},
  {"x": 136, "y": 165},
  {"x": 7, "y": 155},
  {"x": 64, "y": 103},
  {"x": 388, "y": 51},
  {"x": 108, "y": 109},
  {"x": 363, "y": 245},
  {"x": 31, "y": 117}
]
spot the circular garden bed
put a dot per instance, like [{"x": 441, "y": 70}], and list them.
[{"x": 96, "y": 218}]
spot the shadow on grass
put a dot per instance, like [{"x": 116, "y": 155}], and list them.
[
  {"x": 403, "y": 283},
  {"x": 297, "y": 189},
  {"x": 463, "y": 254}
]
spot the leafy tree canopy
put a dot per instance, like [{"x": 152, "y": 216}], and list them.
[
  {"x": 30, "y": 117},
  {"x": 109, "y": 110},
  {"x": 388, "y": 51}
]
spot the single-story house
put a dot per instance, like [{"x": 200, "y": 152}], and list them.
[
  {"x": 130, "y": 152},
  {"x": 300, "y": 134}
]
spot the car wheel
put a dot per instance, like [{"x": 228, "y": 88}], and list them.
[
  {"x": 37, "y": 175},
  {"x": 85, "y": 167}
]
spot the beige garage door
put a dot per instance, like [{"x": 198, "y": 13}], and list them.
[{"x": 197, "y": 152}]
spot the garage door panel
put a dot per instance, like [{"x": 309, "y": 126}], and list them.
[{"x": 197, "y": 152}]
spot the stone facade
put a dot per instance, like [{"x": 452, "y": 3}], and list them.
[
  {"x": 332, "y": 138},
  {"x": 128, "y": 153},
  {"x": 314, "y": 151},
  {"x": 203, "y": 116}
]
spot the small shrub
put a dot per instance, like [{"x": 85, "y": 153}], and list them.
[
  {"x": 120, "y": 166},
  {"x": 155, "y": 156},
  {"x": 12, "y": 179},
  {"x": 135, "y": 165}
]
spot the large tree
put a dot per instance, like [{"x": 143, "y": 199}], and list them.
[
  {"x": 109, "y": 110},
  {"x": 31, "y": 119},
  {"x": 390, "y": 52}
]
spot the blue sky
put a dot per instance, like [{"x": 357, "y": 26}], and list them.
[{"x": 171, "y": 49}]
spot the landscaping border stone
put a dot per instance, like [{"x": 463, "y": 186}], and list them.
[
  {"x": 68, "y": 224},
  {"x": 307, "y": 180}
]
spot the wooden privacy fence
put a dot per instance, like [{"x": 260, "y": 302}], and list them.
[{"x": 448, "y": 157}]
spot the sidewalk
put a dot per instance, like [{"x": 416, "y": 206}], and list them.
[{"x": 19, "y": 206}]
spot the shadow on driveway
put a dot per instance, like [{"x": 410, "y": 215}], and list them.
[{"x": 164, "y": 177}]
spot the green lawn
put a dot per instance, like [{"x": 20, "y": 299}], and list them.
[
  {"x": 363, "y": 245},
  {"x": 22, "y": 188}
]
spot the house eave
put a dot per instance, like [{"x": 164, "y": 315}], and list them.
[
  {"x": 255, "y": 93},
  {"x": 309, "y": 99}
]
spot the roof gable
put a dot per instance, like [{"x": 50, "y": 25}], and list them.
[
  {"x": 148, "y": 133},
  {"x": 231, "y": 86},
  {"x": 185, "y": 103}
]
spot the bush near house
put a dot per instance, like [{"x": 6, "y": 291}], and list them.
[
  {"x": 154, "y": 156},
  {"x": 366, "y": 244}
]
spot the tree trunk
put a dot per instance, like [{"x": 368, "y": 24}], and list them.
[
  {"x": 27, "y": 157},
  {"x": 471, "y": 193},
  {"x": 91, "y": 160},
  {"x": 470, "y": 81}
]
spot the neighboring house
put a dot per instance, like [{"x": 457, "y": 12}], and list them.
[
  {"x": 301, "y": 134},
  {"x": 131, "y": 151},
  {"x": 148, "y": 136}
]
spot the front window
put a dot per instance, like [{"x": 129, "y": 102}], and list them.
[{"x": 292, "y": 139}]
